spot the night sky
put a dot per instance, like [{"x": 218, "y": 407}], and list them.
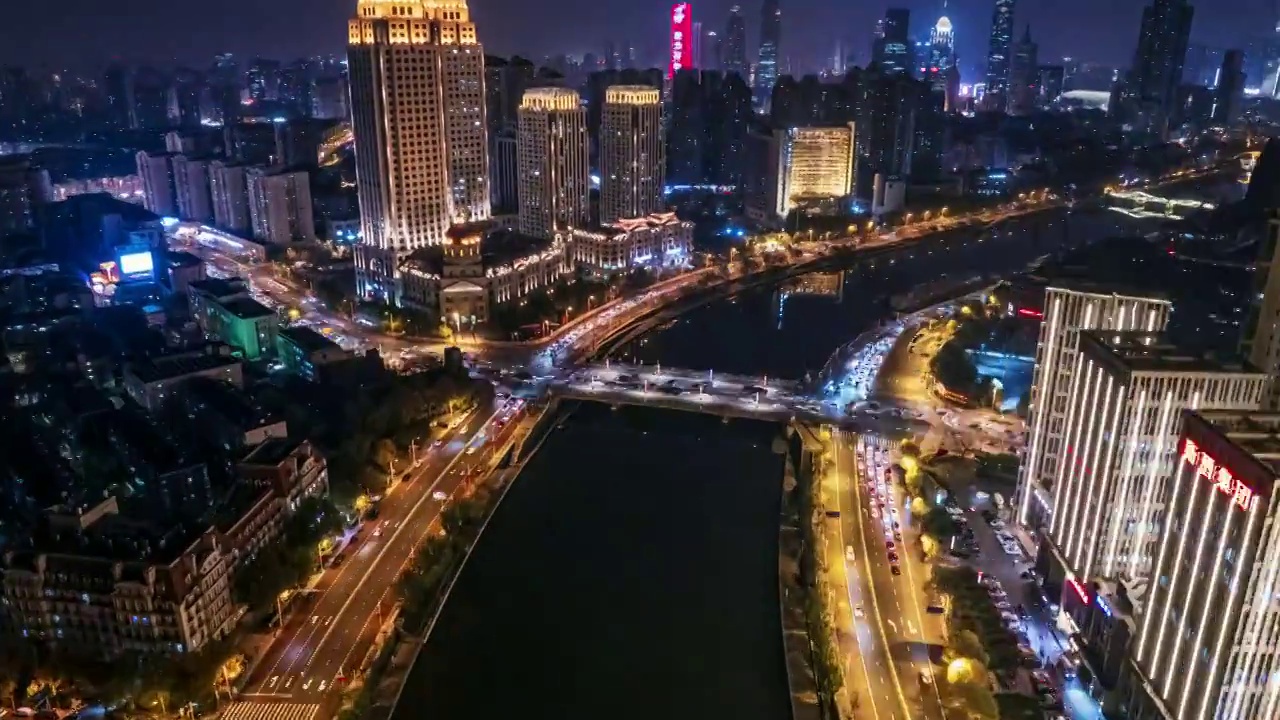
[{"x": 83, "y": 34}]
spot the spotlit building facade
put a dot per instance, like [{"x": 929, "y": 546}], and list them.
[
  {"x": 1207, "y": 643},
  {"x": 633, "y": 159},
  {"x": 1069, "y": 309},
  {"x": 418, "y": 116},
  {"x": 658, "y": 240},
  {"x": 553, "y": 161},
  {"x": 1113, "y": 484},
  {"x": 815, "y": 163}
]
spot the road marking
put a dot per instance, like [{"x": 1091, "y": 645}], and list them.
[
  {"x": 875, "y": 603},
  {"x": 875, "y": 711},
  {"x": 412, "y": 511},
  {"x": 271, "y": 711}
]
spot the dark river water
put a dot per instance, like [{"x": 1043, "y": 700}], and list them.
[{"x": 631, "y": 572}]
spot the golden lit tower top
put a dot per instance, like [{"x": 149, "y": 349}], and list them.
[{"x": 412, "y": 22}]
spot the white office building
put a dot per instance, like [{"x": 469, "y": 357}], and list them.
[
  {"x": 1111, "y": 486},
  {"x": 1069, "y": 309},
  {"x": 229, "y": 190},
  {"x": 280, "y": 206}
]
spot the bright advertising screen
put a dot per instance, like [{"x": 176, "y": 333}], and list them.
[
  {"x": 136, "y": 264},
  {"x": 681, "y": 38}
]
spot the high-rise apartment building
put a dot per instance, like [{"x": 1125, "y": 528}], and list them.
[
  {"x": 418, "y": 115},
  {"x": 191, "y": 188},
  {"x": 1070, "y": 308},
  {"x": 814, "y": 165},
  {"x": 1229, "y": 95},
  {"x": 280, "y": 206},
  {"x": 734, "y": 58},
  {"x": 999, "y": 55},
  {"x": 768, "y": 57},
  {"x": 633, "y": 159},
  {"x": 553, "y": 160},
  {"x": 892, "y": 49},
  {"x": 158, "y": 191},
  {"x": 1111, "y": 486},
  {"x": 1261, "y": 340},
  {"x": 229, "y": 193},
  {"x": 1207, "y": 642},
  {"x": 888, "y": 105},
  {"x": 23, "y": 189},
  {"x": 1158, "y": 62}
]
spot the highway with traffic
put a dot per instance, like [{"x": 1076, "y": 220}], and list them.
[{"x": 327, "y": 634}]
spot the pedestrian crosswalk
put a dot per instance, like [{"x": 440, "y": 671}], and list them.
[{"x": 272, "y": 711}]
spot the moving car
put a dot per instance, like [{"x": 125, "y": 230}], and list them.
[{"x": 439, "y": 496}]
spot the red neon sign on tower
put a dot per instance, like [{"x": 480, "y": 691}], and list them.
[
  {"x": 681, "y": 38},
  {"x": 1221, "y": 476}
]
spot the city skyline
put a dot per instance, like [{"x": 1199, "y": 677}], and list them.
[{"x": 288, "y": 29}]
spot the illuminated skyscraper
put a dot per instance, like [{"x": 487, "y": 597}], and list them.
[
  {"x": 553, "y": 160},
  {"x": 892, "y": 47},
  {"x": 418, "y": 115},
  {"x": 767, "y": 62},
  {"x": 1207, "y": 643},
  {"x": 1069, "y": 309},
  {"x": 999, "y": 50},
  {"x": 940, "y": 58},
  {"x": 1024, "y": 76},
  {"x": 735, "y": 44},
  {"x": 632, "y": 153}
]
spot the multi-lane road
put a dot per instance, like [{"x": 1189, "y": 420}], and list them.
[
  {"x": 890, "y": 666},
  {"x": 327, "y": 633}
]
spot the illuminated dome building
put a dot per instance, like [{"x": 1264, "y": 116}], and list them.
[{"x": 940, "y": 69}]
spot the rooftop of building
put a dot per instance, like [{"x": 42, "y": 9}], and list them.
[
  {"x": 498, "y": 248},
  {"x": 247, "y": 308},
  {"x": 219, "y": 287},
  {"x": 176, "y": 366},
  {"x": 134, "y": 429},
  {"x": 228, "y": 401},
  {"x": 308, "y": 339},
  {"x": 93, "y": 540},
  {"x": 1256, "y": 433},
  {"x": 271, "y": 451},
  {"x": 1141, "y": 351}
]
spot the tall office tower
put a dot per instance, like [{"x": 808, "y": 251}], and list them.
[
  {"x": 150, "y": 108},
  {"x": 504, "y": 173},
  {"x": 229, "y": 191},
  {"x": 686, "y": 129},
  {"x": 1051, "y": 81},
  {"x": 191, "y": 188},
  {"x": 1024, "y": 76},
  {"x": 767, "y": 58},
  {"x": 1070, "y": 307},
  {"x": 892, "y": 47},
  {"x": 297, "y": 89},
  {"x": 418, "y": 115},
  {"x": 1202, "y": 65},
  {"x": 329, "y": 98},
  {"x": 999, "y": 54},
  {"x": 930, "y": 130},
  {"x": 886, "y": 127},
  {"x": 118, "y": 87},
  {"x": 709, "y": 51},
  {"x": 1230, "y": 92},
  {"x": 263, "y": 80},
  {"x": 633, "y": 162},
  {"x": 1207, "y": 644},
  {"x": 504, "y": 84},
  {"x": 1261, "y": 340},
  {"x": 186, "y": 98},
  {"x": 729, "y": 116},
  {"x": 937, "y": 65},
  {"x": 735, "y": 44},
  {"x": 815, "y": 164},
  {"x": 155, "y": 170},
  {"x": 280, "y": 206},
  {"x": 1158, "y": 61},
  {"x": 1111, "y": 487},
  {"x": 554, "y": 169}
]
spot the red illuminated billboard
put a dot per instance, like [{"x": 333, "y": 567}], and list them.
[{"x": 681, "y": 38}]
